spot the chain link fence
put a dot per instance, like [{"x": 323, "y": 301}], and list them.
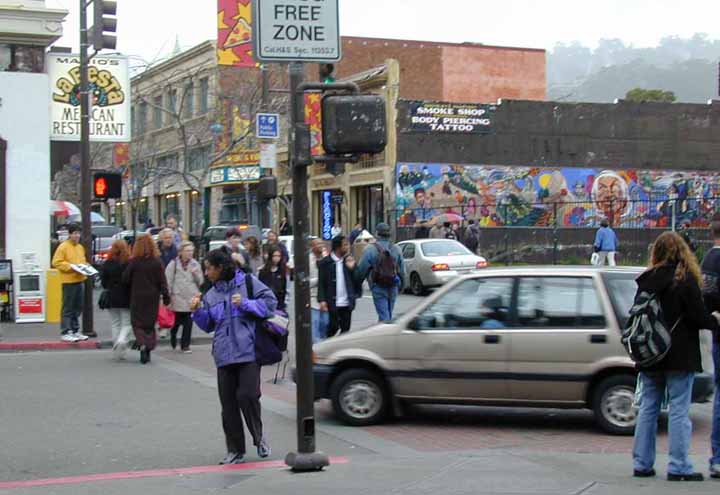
[{"x": 563, "y": 232}]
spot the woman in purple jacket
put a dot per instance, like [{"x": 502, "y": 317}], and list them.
[{"x": 227, "y": 311}]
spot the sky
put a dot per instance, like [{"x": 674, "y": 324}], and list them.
[{"x": 148, "y": 29}]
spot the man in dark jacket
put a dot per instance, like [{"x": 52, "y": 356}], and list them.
[
  {"x": 711, "y": 297},
  {"x": 336, "y": 288}
]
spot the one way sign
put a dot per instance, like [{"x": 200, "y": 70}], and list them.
[{"x": 267, "y": 126}]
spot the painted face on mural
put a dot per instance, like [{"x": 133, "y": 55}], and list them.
[{"x": 610, "y": 194}]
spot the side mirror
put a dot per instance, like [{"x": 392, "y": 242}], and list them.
[{"x": 413, "y": 324}]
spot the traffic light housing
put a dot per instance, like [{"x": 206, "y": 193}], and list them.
[
  {"x": 327, "y": 73},
  {"x": 267, "y": 188},
  {"x": 353, "y": 124},
  {"x": 104, "y": 12},
  {"x": 107, "y": 186}
]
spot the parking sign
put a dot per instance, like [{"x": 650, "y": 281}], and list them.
[{"x": 267, "y": 126}]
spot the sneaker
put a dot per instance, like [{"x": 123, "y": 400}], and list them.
[
  {"x": 264, "y": 449},
  {"x": 80, "y": 337},
  {"x": 715, "y": 470},
  {"x": 685, "y": 477},
  {"x": 187, "y": 351},
  {"x": 232, "y": 458},
  {"x": 644, "y": 474},
  {"x": 68, "y": 337}
]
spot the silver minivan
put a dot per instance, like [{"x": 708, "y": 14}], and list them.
[{"x": 525, "y": 336}]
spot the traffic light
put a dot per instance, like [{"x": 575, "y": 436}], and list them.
[
  {"x": 104, "y": 24},
  {"x": 267, "y": 188},
  {"x": 107, "y": 185},
  {"x": 327, "y": 73}
]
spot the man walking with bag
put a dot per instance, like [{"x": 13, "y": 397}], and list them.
[
  {"x": 336, "y": 287},
  {"x": 382, "y": 265},
  {"x": 606, "y": 244}
]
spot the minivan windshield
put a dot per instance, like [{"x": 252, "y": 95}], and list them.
[{"x": 443, "y": 248}]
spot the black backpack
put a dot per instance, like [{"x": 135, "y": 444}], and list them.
[
  {"x": 269, "y": 344},
  {"x": 385, "y": 270},
  {"x": 646, "y": 336}
]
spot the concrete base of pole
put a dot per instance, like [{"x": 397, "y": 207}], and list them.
[{"x": 307, "y": 461}]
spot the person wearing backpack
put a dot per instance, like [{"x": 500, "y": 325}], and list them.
[
  {"x": 472, "y": 237},
  {"x": 231, "y": 309},
  {"x": 382, "y": 266},
  {"x": 711, "y": 296},
  {"x": 673, "y": 279}
]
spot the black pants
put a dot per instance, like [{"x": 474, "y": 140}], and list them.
[
  {"x": 72, "y": 305},
  {"x": 340, "y": 319},
  {"x": 184, "y": 320},
  {"x": 239, "y": 389}
]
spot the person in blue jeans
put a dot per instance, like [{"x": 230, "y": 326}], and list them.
[
  {"x": 382, "y": 265},
  {"x": 674, "y": 278},
  {"x": 711, "y": 296}
]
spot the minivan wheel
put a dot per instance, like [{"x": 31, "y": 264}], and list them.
[
  {"x": 416, "y": 285},
  {"x": 359, "y": 397},
  {"x": 613, "y": 407}
]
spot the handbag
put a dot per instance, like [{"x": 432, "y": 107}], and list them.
[
  {"x": 271, "y": 334},
  {"x": 166, "y": 317},
  {"x": 104, "y": 299}
]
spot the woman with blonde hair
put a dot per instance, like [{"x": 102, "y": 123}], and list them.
[
  {"x": 674, "y": 278},
  {"x": 118, "y": 295},
  {"x": 146, "y": 278}
]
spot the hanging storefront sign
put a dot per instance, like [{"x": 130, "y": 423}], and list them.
[
  {"x": 234, "y": 42},
  {"x": 327, "y": 215},
  {"x": 234, "y": 174},
  {"x": 109, "y": 86},
  {"x": 456, "y": 118}
]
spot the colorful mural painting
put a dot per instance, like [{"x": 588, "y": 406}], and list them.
[
  {"x": 234, "y": 42},
  {"x": 535, "y": 196}
]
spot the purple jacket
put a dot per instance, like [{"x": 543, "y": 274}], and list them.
[{"x": 234, "y": 338}]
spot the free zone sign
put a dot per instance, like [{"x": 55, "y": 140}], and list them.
[{"x": 296, "y": 31}]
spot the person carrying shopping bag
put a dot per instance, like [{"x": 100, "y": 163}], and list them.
[
  {"x": 674, "y": 281},
  {"x": 117, "y": 296},
  {"x": 184, "y": 276},
  {"x": 228, "y": 311}
]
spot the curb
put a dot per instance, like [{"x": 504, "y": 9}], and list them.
[{"x": 52, "y": 345}]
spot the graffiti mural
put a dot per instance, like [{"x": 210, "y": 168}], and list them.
[{"x": 534, "y": 196}]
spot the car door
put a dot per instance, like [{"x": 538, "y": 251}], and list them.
[
  {"x": 457, "y": 347},
  {"x": 561, "y": 329},
  {"x": 408, "y": 254}
]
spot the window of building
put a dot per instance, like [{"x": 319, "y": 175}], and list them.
[
  {"x": 199, "y": 158},
  {"x": 204, "y": 95},
  {"x": 142, "y": 118},
  {"x": 167, "y": 163},
  {"x": 189, "y": 101},
  {"x": 158, "y": 112},
  {"x": 171, "y": 106},
  {"x": 480, "y": 303},
  {"x": 559, "y": 302}
]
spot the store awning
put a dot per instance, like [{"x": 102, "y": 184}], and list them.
[{"x": 63, "y": 208}]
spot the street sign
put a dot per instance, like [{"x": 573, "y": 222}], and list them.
[
  {"x": 296, "y": 31},
  {"x": 267, "y": 126},
  {"x": 268, "y": 155}
]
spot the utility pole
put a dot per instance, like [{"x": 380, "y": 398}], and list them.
[
  {"x": 85, "y": 178},
  {"x": 305, "y": 459}
]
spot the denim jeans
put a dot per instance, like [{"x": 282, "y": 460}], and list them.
[
  {"x": 320, "y": 322},
  {"x": 715, "y": 437},
  {"x": 384, "y": 299},
  {"x": 72, "y": 306},
  {"x": 679, "y": 386}
]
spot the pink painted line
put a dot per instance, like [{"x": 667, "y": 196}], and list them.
[
  {"x": 153, "y": 473},
  {"x": 47, "y": 345}
]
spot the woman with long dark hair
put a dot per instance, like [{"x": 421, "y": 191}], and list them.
[
  {"x": 118, "y": 295},
  {"x": 146, "y": 278},
  {"x": 229, "y": 312},
  {"x": 274, "y": 274},
  {"x": 674, "y": 278}
]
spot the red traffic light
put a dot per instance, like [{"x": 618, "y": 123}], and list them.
[{"x": 107, "y": 186}]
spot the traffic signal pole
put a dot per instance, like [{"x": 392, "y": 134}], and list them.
[
  {"x": 85, "y": 178},
  {"x": 305, "y": 459}
]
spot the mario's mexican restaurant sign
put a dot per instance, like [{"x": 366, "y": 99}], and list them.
[{"x": 109, "y": 87}]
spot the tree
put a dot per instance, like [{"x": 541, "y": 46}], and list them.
[{"x": 641, "y": 95}]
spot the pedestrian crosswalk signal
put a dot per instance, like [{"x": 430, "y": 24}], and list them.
[{"x": 107, "y": 186}]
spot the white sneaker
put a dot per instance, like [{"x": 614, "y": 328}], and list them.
[
  {"x": 79, "y": 336},
  {"x": 68, "y": 337}
]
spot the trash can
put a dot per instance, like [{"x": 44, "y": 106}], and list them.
[{"x": 53, "y": 294}]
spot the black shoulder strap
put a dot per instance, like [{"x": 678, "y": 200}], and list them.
[{"x": 249, "y": 286}]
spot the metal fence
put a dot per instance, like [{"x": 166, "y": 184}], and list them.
[{"x": 563, "y": 232}]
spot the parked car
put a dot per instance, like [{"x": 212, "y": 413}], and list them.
[
  {"x": 215, "y": 235},
  {"x": 434, "y": 262},
  {"x": 525, "y": 337}
]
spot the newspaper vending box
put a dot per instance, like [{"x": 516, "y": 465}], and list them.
[{"x": 29, "y": 296}]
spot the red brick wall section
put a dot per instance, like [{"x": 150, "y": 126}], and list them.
[{"x": 476, "y": 74}]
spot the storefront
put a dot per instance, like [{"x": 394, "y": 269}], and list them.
[
  {"x": 368, "y": 206},
  {"x": 238, "y": 202}
]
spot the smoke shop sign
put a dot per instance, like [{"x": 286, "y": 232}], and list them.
[{"x": 456, "y": 118}]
